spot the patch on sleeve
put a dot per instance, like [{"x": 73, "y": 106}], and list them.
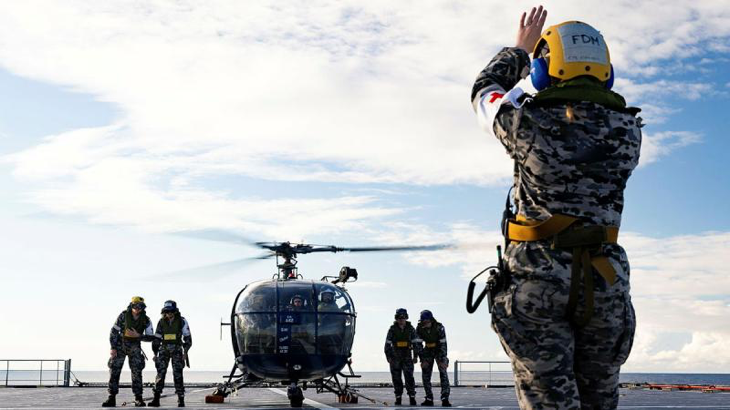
[{"x": 490, "y": 100}]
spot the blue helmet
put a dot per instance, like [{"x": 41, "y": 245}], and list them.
[
  {"x": 170, "y": 306},
  {"x": 401, "y": 313},
  {"x": 426, "y": 315}
]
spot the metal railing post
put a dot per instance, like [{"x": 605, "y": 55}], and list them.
[
  {"x": 40, "y": 375},
  {"x": 7, "y": 372},
  {"x": 456, "y": 373},
  {"x": 67, "y": 373}
]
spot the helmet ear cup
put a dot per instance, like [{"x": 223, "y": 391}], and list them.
[
  {"x": 609, "y": 83},
  {"x": 539, "y": 74}
]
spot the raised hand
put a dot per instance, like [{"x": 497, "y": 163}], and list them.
[{"x": 530, "y": 28}]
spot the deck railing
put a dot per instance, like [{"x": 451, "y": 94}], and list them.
[
  {"x": 482, "y": 373},
  {"x": 35, "y": 372}
]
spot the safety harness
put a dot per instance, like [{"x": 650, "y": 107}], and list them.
[
  {"x": 172, "y": 330},
  {"x": 430, "y": 335},
  {"x": 402, "y": 337},
  {"x": 130, "y": 323},
  {"x": 585, "y": 241}
]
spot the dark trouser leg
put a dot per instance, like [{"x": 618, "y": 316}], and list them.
[
  {"x": 408, "y": 374},
  {"x": 601, "y": 348},
  {"x": 163, "y": 359},
  {"x": 444, "y": 379},
  {"x": 395, "y": 374},
  {"x": 115, "y": 370},
  {"x": 136, "y": 365},
  {"x": 539, "y": 341},
  {"x": 178, "y": 363},
  {"x": 426, "y": 370}
]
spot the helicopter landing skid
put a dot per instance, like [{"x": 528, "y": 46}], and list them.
[
  {"x": 344, "y": 392},
  {"x": 234, "y": 382}
]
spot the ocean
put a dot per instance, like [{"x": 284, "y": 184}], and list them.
[{"x": 465, "y": 377}]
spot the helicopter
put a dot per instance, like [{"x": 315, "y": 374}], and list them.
[{"x": 296, "y": 332}]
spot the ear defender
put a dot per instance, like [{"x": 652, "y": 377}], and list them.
[
  {"x": 539, "y": 74},
  {"x": 609, "y": 83},
  {"x": 541, "y": 79}
]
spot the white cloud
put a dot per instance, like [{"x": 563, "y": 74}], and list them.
[
  {"x": 366, "y": 93},
  {"x": 652, "y": 114},
  {"x": 657, "y": 145},
  {"x": 322, "y": 92},
  {"x": 640, "y": 91}
]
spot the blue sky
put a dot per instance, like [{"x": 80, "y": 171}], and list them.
[{"x": 339, "y": 124}]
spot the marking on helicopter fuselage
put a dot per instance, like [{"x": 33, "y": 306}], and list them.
[{"x": 309, "y": 402}]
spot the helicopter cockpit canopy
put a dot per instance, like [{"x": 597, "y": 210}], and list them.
[{"x": 294, "y": 317}]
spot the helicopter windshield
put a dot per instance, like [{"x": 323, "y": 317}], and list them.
[
  {"x": 335, "y": 320},
  {"x": 256, "y": 319},
  {"x": 297, "y": 317}
]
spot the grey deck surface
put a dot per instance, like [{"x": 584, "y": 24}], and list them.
[{"x": 275, "y": 398}]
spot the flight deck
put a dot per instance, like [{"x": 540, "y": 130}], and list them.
[{"x": 275, "y": 398}]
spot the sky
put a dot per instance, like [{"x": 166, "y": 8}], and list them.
[{"x": 125, "y": 124}]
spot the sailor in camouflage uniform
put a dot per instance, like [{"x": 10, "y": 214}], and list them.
[
  {"x": 172, "y": 342},
  {"x": 563, "y": 314},
  {"x": 132, "y": 327},
  {"x": 433, "y": 335},
  {"x": 402, "y": 348}
]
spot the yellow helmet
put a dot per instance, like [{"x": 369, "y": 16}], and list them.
[
  {"x": 575, "y": 49},
  {"x": 138, "y": 300}
]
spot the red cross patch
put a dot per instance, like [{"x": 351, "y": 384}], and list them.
[{"x": 495, "y": 97}]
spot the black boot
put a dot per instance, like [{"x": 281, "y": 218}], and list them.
[
  {"x": 427, "y": 402},
  {"x": 397, "y": 401},
  {"x": 445, "y": 403},
  {"x": 180, "y": 401},
  {"x": 155, "y": 401},
  {"x": 111, "y": 401},
  {"x": 412, "y": 400},
  {"x": 139, "y": 401}
]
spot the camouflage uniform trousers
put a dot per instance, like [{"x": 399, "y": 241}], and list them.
[
  {"x": 427, "y": 369},
  {"x": 164, "y": 356},
  {"x": 402, "y": 365},
  {"x": 136, "y": 364},
  {"x": 557, "y": 365}
]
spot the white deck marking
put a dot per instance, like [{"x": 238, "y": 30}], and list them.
[{"x": 309, "y": 402}]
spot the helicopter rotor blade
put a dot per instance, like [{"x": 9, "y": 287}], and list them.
[
  {"x": 213, "y": 271},
  {"x": 436, "y": 247},
  {"x": 384, "y": 248},
  {"x": 218, "y": 235}
]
